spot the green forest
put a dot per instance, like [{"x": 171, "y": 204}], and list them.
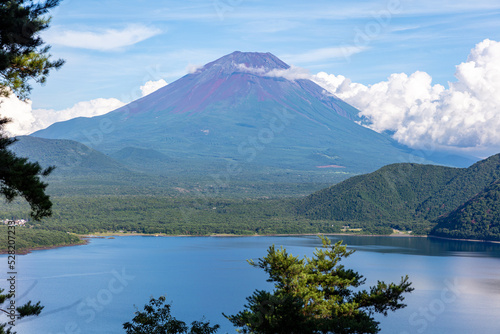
[
  {"x": 175, "y": 216},
  {"x": 28, "y": 239},
  {"x": 478, "y": 218},
  {"x": 418, "y": 199},
  {"x": 435, "y": 200}
]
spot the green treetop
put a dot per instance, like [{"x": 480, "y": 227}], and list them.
[
  {"x": 317, "y": 295},
  {"x": 23, "y": 55},
  {"x": 156, "y": 319},
  {"x": 27, "y": 309}
]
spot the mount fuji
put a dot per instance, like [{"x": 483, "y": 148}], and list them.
[{"x": 242, "y": 112}]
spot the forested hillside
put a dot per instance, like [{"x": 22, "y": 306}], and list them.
[
  {"x": 27, "y": 238},
  {"x": 478, "y": 218},
  {"x": 392, "y": 193},
  {"x": 461, "y": 188},
  {"x": 462, "y": 201},
  {"x": 401, "y": 196}
]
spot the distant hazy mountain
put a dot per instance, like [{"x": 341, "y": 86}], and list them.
[
  {"x": 237, "y": 114},
  {"x": 71, "y": 158},
  {"x": 81, "y": 170},
  {"x": 409, "y": 192}
]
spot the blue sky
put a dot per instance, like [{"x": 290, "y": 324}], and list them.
[
  {"x": 384, "y": 37},
  {"x": 427, "y": 71}
]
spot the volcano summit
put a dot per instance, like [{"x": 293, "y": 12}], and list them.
[{"x": 240, "y": 110}]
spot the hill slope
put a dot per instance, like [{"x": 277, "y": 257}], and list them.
[
  {"x": 143, "y": 159},
  {"x": 411, "y": 193},
  {"x": 81, "y": 170},
  {"x": 461, "y": 188},
  {"x": 392, "y": 193},
  {"x": 71, "y": 158},
  {"x": 478, "y": 218}
]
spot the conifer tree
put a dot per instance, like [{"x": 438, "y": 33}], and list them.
[
  {"x": 25, "y": 310},
  {"x": 19, "y": 177},
  {"x": 23, "y": 54},
  {"x": 156, "y": 319},
  {"x": 23, "y": 57},
  {"x": 317, "y": 295}
]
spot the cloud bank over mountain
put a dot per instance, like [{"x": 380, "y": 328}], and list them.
[
  {"x": 465, "y": 115},
  {"x": 26, "y": 120},
  {"x": 152, "y": 86}
]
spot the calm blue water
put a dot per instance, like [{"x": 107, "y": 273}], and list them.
[{"x": 93, "y": 288}]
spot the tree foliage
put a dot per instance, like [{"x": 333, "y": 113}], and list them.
[
  {"x": 317, "y": 295},
  {"x": 156, "y": 319},
  {"x": 19, "y": 177},
  {"x": 478, "y": 218},
  {"x": 170, "y": 215},
  {"x": 25, "y": 310},
  {"x": 393, "y": 193},
  {"x": 29, "y": 238},
  {"x": 414, "y": 197},
  {"x": 23, "y": 55}
]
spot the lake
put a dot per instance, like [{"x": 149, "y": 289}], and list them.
[{"x": 93, "y": 288}]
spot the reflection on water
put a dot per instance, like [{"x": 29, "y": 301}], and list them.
[{"x": 407, "y": 245}]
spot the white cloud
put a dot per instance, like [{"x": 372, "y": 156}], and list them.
[
  {"x": 105, "y": 40},
  {"x": 191, "y": 69},
  {"x": 253, "y": 70},
  {"x": 97, "y": 107},
  {"x": 466, "y": 115},
  {"x": 152, "y": 86},
  {"x": 26, "y": 120},
  {"x": 20, "y": 114},
  {"x": 292, "y": 73}
]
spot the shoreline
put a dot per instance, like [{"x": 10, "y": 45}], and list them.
[
  {"x": 470, "y": 240},
  {"x": 84, "y": 238},
  {"x": 83, "y": 241},
  {"x": 223, "y": 235}
]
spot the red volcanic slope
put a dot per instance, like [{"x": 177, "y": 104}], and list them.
[{"x": 233, "y": 76}]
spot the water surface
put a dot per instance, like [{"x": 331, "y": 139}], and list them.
[{"x": 93, "y": 288}]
